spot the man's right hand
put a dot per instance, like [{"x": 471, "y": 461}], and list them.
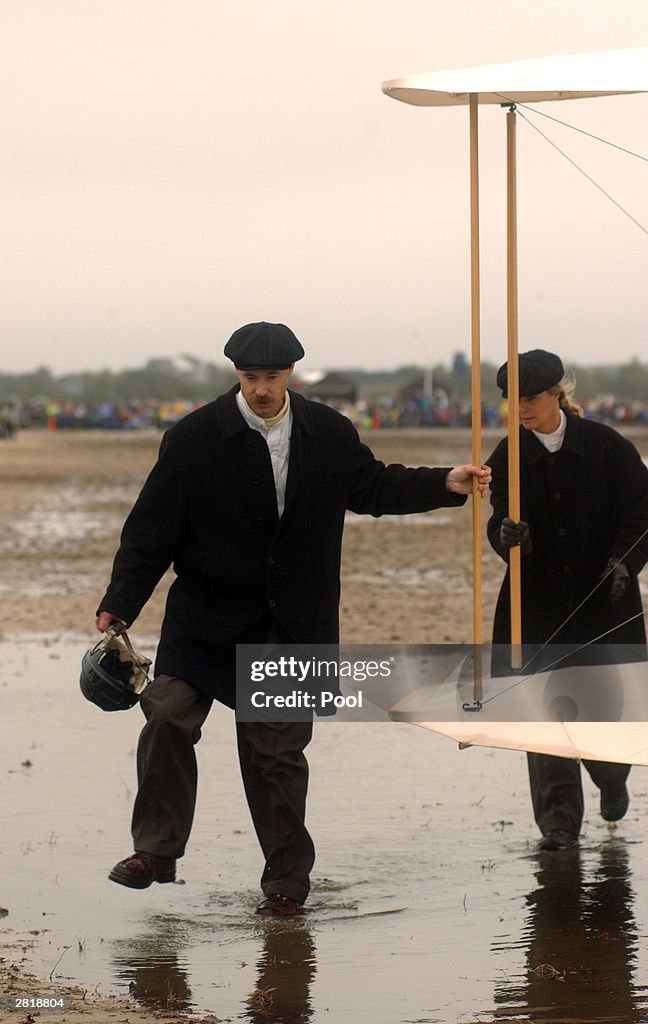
[{"x": 104, "y": 621}]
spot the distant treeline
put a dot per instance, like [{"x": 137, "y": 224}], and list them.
[
  {"x": 168, "y": 379},
  {"x": 160, "y": 379}
]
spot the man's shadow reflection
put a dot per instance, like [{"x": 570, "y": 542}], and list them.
[
  {"x": 160, "y": 983},
  {"x": 581, "y": 938},
  {"x": 153, "y": 969},
  {"x": 158, "y": 978},
  {"x": 286, "y": 968}
]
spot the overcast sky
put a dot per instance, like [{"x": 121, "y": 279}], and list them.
[{"x": 173, "y": 169}]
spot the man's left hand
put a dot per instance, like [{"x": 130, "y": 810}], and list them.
[{"x": 460, "y": 479}]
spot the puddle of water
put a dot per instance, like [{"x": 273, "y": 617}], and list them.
[
  {"x": 68, "y": 516},
  {"x": 428, "y": 904}
]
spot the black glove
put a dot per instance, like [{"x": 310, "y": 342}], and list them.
[
  {"x": 514, "y": 534},
  {"x": 619, "y": 577}
]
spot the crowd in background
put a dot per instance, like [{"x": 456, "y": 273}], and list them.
[
  {"x": 378, "y": 414},
  {"x": 44, "y": 414},
  {"x": 419, "y": 412}
]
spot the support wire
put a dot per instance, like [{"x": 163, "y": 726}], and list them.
[{"x": 584, "y": 173}]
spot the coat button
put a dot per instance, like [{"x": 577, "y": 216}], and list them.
[
  {"x": 556, "y": 495},
  {"x": 259, "y": 519},
  {"x": 272, "y": 604},
  {"x": 566, "y": 569},
  {"x": 271, "y": 560},
  {"x": 562, "y": 532}
]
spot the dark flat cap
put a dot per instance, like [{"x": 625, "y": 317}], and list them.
[
  {"x": 263, "y": 347},
  {"x": 538, "y": 370}
]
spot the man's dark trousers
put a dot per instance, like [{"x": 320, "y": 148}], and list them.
[{"x": 275, "y": 777}]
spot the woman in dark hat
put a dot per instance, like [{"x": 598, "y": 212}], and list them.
[{"x": 583, "y": 542}]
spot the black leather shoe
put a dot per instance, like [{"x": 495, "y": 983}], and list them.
[
  {"x": 142, "y": 869},
  {"x": 557, "y": 839},
  {"x": 614, "y": 803},
  {"x": 279, "y": 906}
]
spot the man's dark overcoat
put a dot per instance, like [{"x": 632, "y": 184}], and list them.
[
  {"x": 585, "y": 504},
  {"x": 209, "y": 507}
]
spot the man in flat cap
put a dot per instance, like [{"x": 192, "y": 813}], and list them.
[
  {"x": 582, "y": 535},
  {"x": 247, "y": 500}
]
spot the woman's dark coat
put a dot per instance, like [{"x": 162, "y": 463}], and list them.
[
  {"x": 209, "y": 507},
  {"x": 585, "y": 504}
]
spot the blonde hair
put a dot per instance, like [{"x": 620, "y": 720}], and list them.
[{"x": 564, "y": 390}]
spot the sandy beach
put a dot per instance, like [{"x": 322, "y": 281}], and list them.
[{"x": 391, "y": 817}]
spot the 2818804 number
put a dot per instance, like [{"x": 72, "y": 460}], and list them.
[{"x": 39, "y": 1003}]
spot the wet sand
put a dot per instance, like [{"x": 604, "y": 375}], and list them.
[
  {"x": 63, "y": 498},
  {"x": 429, "y": 903}
]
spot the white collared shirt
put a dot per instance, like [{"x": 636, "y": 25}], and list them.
[
  {"x": 553, "y": 442},
  {"x": 277, "y": 439}
]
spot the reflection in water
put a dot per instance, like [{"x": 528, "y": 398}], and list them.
[
  {"x": 581, "y": 943},
  {"x": 156, "y": 968},
  {"x": 151, "y": 966},
  {"x": 286, "y": 969},
  {"x": 160, "y": 982}
]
